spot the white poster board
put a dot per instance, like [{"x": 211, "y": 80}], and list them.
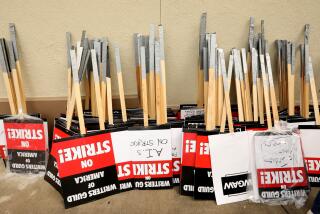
[{"x": 230, "y": 166}]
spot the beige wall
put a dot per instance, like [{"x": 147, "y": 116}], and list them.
[{"x": 41, "y": 27}]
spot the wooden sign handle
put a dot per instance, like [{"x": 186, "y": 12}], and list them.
[
  {"x": 122, "y": 98},
  {"x": 109, "y": 101},
  {"x": 10, "y": 92},
  {"x": 266, "y": 91},
  {"x": 21, "y": 87}
]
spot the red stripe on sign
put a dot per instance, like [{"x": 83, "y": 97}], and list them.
[
  {"x": 282, "y": 177},
  {"x": 58, "y": 134},
  {"x": 202, "y": 155},
  {"x": 176, "y": 166},
  {"x": 313, "y": 165},
  {"x": 124, "y": 170},
  {"x": 152, "y": 169},
  {"x": 79, "y": 155},
  {"x": 189, "y": 149},
  {"x": 25, "y": 136}
]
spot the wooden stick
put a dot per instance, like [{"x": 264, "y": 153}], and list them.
[
  {"x": 306, "y": 60},
  {"x": 206, "y": 79},
  {"x": 314, "y": 92},
  {"x": 211, "y": 111},
  {"x": 76, "y": 91},
  {"x": 254, "y": 69},
  {"x": 137, "y": 42},
  {"x": 15, "y": 78},
  {"x": 302, "y": 110},
  {"x": 100, "y": 108},
  {"x": 93, "y": 96},
  {"x": 227, "y": 105},
  {"x": 266, "y": 91},
  {"x": 103, "y": 77},
  {"x": 144, "y": 87},
  {"x": 163, "y": 76},
  {"x": 158, "y": 83},
  {"x": 203, "y": 23},
  {"x": 274, "y": 105},
  {"x": 220, "y": 93},
  {"x": 151, "y": 85},
  {"x": 120, "y": 85},
  {"x": 238, "y": 87},
  {"x": 247, "y": 85},
  {"x": 109, "y": 92},
  {"x": 7, "y": 79},
  {"x": 290, "y": 82},
  {"x": 18, "y": 66}
]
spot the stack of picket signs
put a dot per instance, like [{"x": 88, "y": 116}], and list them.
[{"x": 23, "y": 137}]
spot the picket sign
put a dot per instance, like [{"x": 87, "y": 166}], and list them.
[
  {"x": 52, "y": 174},
  {"x": 310, "y": 135},
  {"x": 86, "y": 167},
  {"x": 188, "y": 161},
  {"x": 230, "y": 166},
  {"x": 123, "y": 159},
  {"x": 177, "y": 138},
  {"x": 203, "y": 185},
  {"x": 277, "y": 166},
  {"x": 151, "y": 150},
  {"x": 26, "y": 144}
]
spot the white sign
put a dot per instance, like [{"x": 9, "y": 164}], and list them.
[{"x": 230, "y": 164}]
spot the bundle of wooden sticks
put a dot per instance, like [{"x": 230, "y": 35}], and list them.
[
  {"x": 151, "y": 75},
  {"x": 254, "y": 84},
  {"x": 286, "y": 66},
  {"x": 11, "y": 70},
  {"x": 89, "y": 62}
]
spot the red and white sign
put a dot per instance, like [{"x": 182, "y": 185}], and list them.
[
  {"x": 202, "y": 152},
  {"x": 25, "y": 136},
  {"x": 189, "y": 149},
  {"x": 80, "y": 155}
]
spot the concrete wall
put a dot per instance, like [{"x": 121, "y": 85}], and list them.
[{"x": 41, "y": 27}]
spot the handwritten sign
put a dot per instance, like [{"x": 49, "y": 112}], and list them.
[
  {"x": 279, "y": 172},
  {"x": 151, "y": 152}
]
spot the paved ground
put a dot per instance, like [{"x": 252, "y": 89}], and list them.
[{"x": 31, "y": 194}]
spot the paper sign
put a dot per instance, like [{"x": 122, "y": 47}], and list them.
[
  {"x": 26, "y": 145},
  {"x": 123, "y": 159},
  {"x": 279, "y": 172},
  {"x": 311, "y": 149},
  {"x": 86, "y": 167},
  {"x": 177, "y": 138},
  {"x": 151, "y": 152},
  {"x": 230, "y": 166}
]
